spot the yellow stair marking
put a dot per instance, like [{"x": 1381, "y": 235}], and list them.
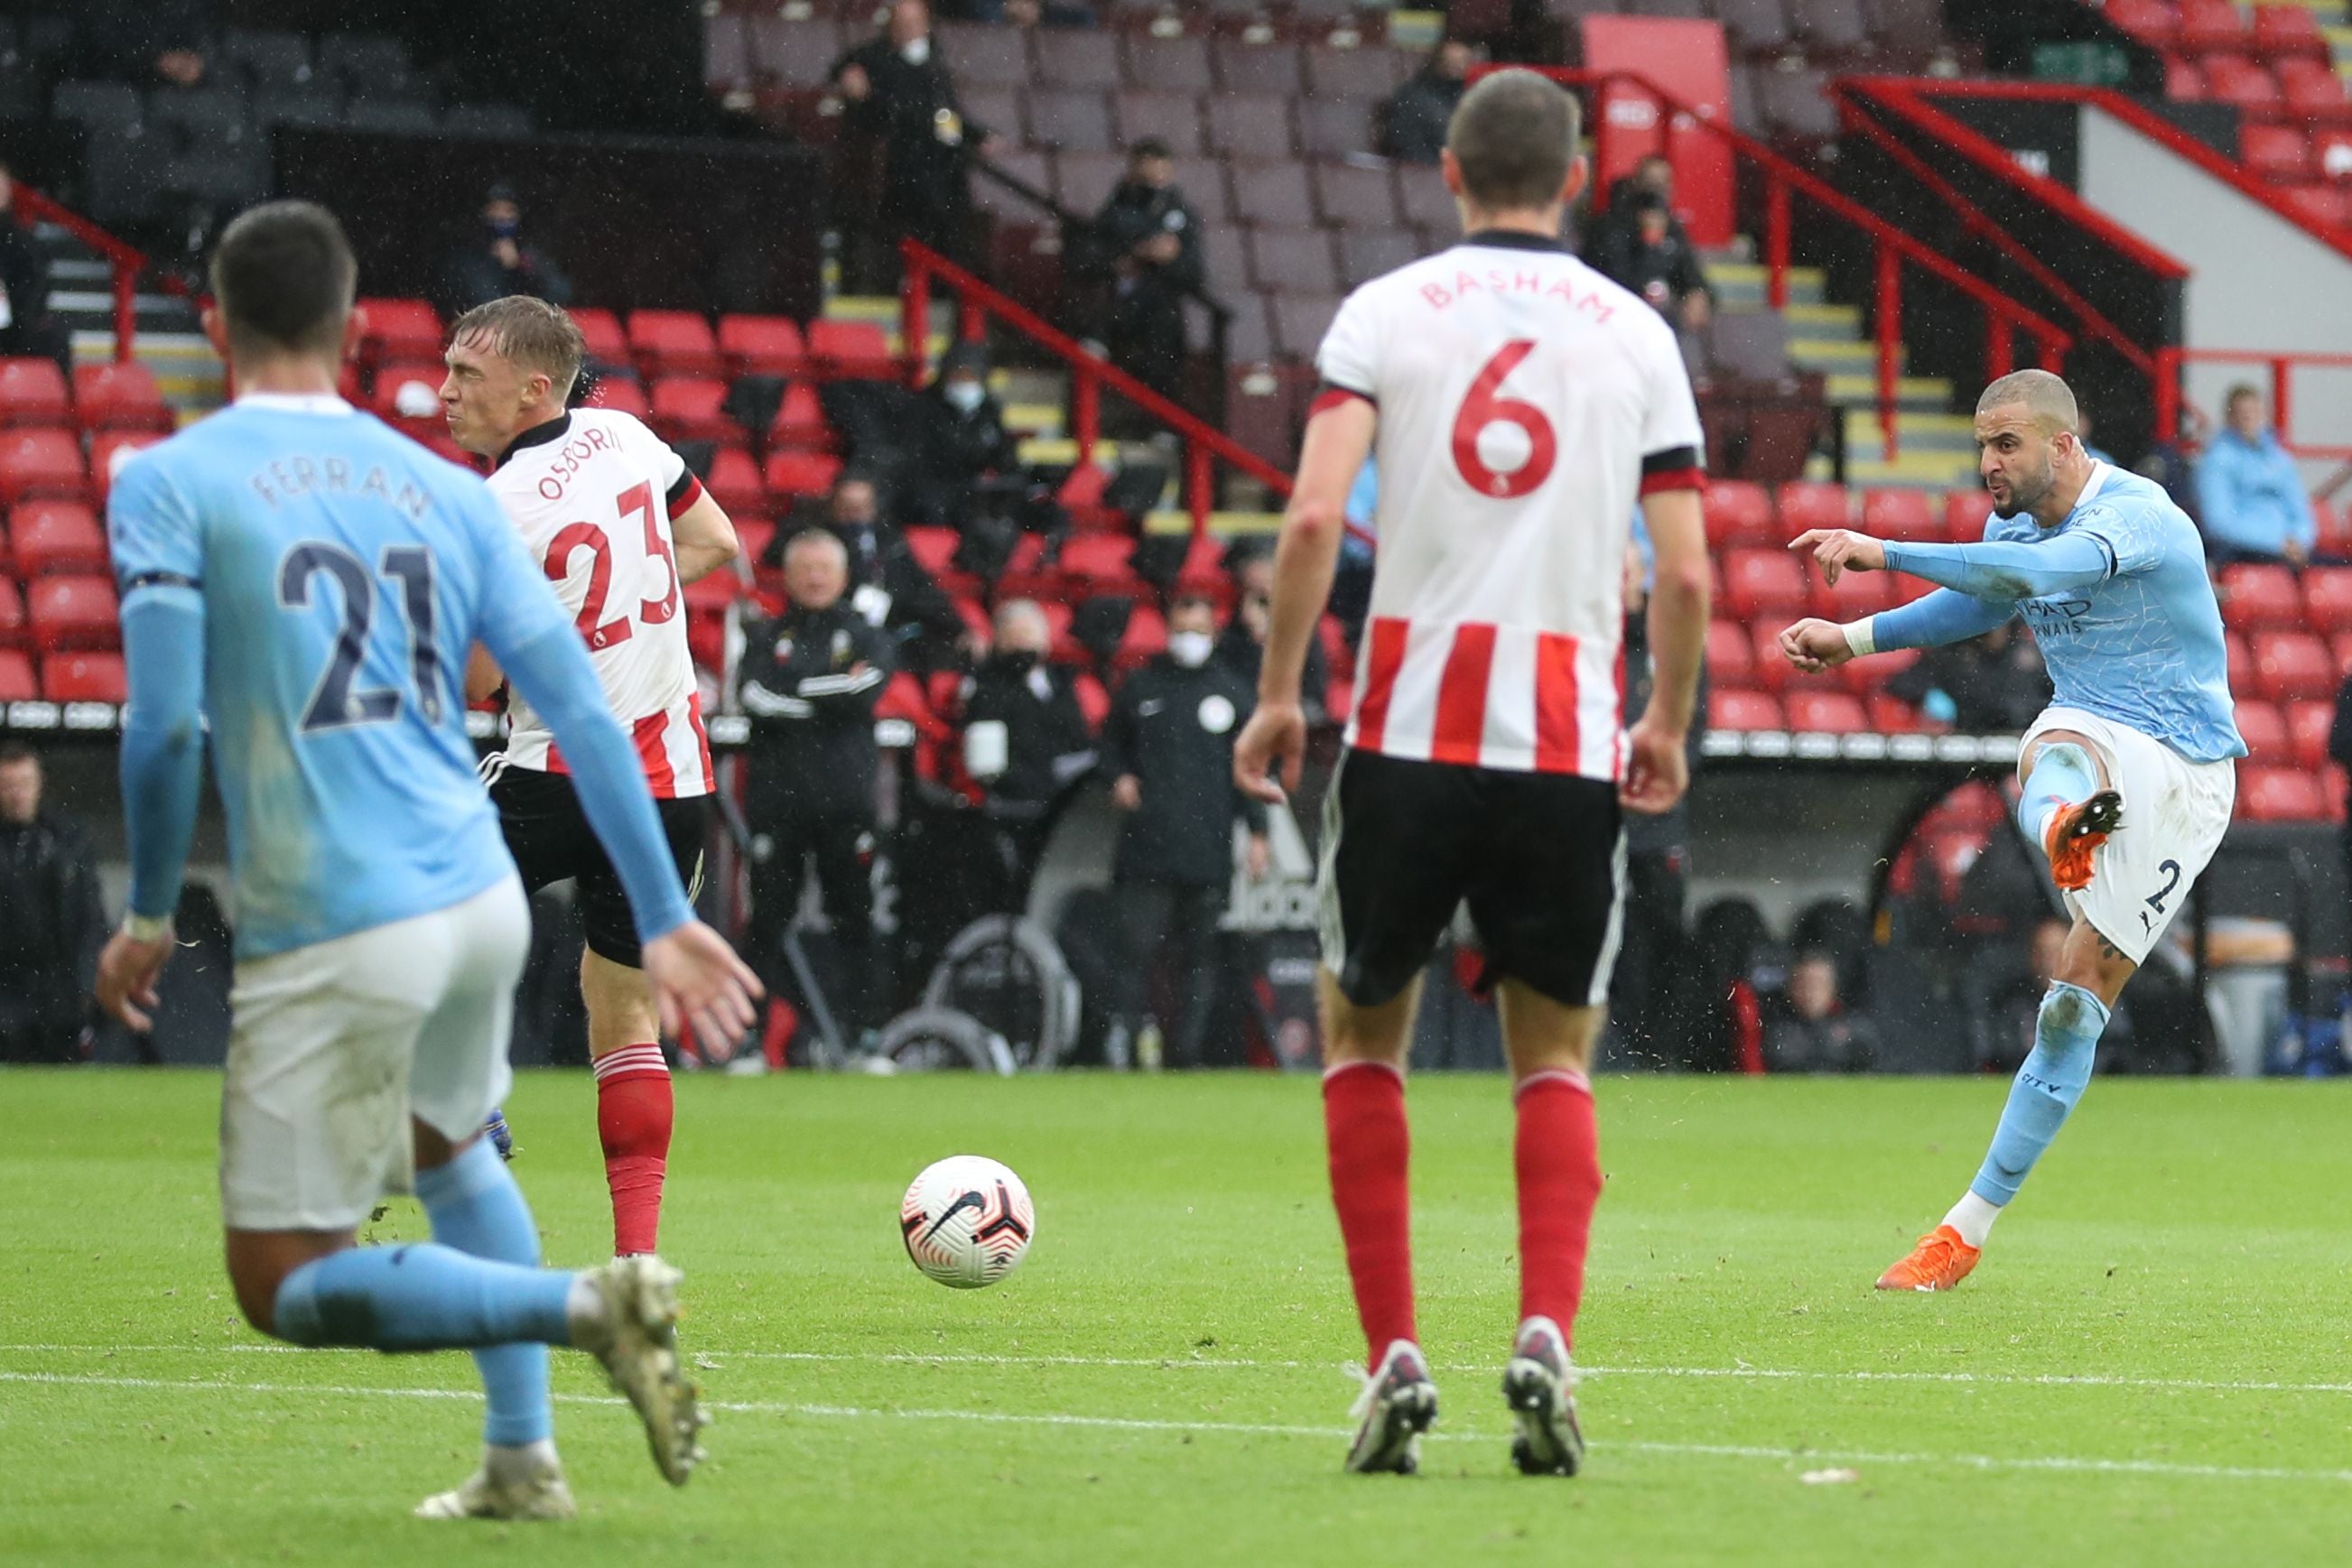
[
  {"x": 1756, "y": 272},
  {"x": 1845, "y": 389},
  {"x": 1220, "y": 522}
]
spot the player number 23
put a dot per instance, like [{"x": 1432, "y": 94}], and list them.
[
  {"x": 600, "y": 633},
  {"x": 1484, "y": 406}
]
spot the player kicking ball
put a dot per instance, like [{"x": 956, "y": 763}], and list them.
[
  {"x": 614, "y": 519},
  {"x": 1521, "y": 405},
  {"x": 307, "y": 582},
  {"x": 2127, "y": 776}
]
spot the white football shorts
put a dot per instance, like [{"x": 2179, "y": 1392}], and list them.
[
  {"x": 334, "y": 1046},
  {"x": 2174, "y": 814}
]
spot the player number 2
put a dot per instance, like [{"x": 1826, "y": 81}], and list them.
[
  {"x": 334, "y": 704},
  {"x": 1483, "y": 407},
  {"x": 599, "y": 633}
]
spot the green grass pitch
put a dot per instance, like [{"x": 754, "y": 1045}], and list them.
[{"x": 2149, "y": 1367}]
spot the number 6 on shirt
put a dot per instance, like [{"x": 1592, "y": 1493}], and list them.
[{"x": 1482, "y": 408}]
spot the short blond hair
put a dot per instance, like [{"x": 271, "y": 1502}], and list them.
[
  {"x": 532, "y": 333},
  {"x": 2046, "y": 397}
]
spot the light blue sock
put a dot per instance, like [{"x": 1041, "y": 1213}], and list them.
[
  {"x": 2056, "y": 1071},
  {"x": 421, "y": 1297},
  {"x": 2062, "y": 774},
  {"x": 476, "y": 1207}
]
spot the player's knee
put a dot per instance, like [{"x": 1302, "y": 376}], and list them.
[{"x": 256, "y": 1283}]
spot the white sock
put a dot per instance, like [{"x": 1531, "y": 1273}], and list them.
[
  {"x": 504, "y": 1462},
  {"x": 1972, "y": 1216},
  {"x": 584, "y": 1305}
]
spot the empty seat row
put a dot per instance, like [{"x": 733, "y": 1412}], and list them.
[
  {"x": 2298, "y": 90},
  {"x": 662, "y": 342},
  {"x": 223, "y": 114},
  {"x": 2276, "y": 32},
  {"x": 110, "y": 395},
  {"x": 42, "y": 462},
  {"x": 88, "y": 676},
  {"x": 1236, "y": 125}
]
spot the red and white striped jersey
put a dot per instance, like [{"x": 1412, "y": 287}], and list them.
[
  {"x": 594, "y": 494},
  {"x": 1526, "y": 404}
]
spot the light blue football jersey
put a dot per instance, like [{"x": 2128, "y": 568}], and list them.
[
  {"x": 2143, "y": 647},
  {"x": 345, "y": 572}
]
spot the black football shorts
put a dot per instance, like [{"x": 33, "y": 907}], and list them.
[
  {"x": 550, "y": 837},
  {"x": 1539, "y": 858}
]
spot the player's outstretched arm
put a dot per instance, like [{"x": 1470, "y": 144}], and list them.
[
  {"x": 1658, "y": 766},
  {"x": 1338, "y": 441},
  {"x": 702, "y": 540},
  {"x": 2002, "y": 569}
]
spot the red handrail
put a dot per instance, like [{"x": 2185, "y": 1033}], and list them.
[
  {"x": 127, "y": 261},
  {"x": 2169, "y": 398},
  {"x": 1204, "y": 446},
  {"x": 1891, "y": 246}
]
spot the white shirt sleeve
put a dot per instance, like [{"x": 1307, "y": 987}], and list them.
[
  {"x": 1349, "y": 357},
  {"x": 1670, "y": 426}
]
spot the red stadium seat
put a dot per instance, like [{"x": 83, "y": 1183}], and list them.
[
  {"x": 687, "y": 408},
  {"x": 1905, "y": 515},
  {"x": 1855, "y": 595},
  {"x": 400, "y": 329},
  {"x": 754, "y": 533},
  {"x": 2327, "y": 599},
  {"x": 2309, "y": 727},
  {"x": 49, "y": 538},
  {"x": 622, "y": 393},
  {"x": 1101, "y": 563},
  {"x": 1807, "y": 504},
  {"x": 2264, "y": 729},
  {"x": 15, "y": 633},
  {"x": 2229, "y": 79},
  {"x": 2183, "y": 79},
  {"x": 1734, "y": 709},
  {"x": 84, "y": 678},
  {"x": 2280, "y": 31},
  {"x": 601, "y": 330},
  {"x": 1730, "y": 656},
  {"x": 712, "y": 593},
  {"x": 37, "y": 462},
  {"x": 109, "y": 451},
  {"x": 734, "y": 481},
  {"x": 799, "y": 421},
  {"x": 852, "y": 348},
  {"x": 673, "y": 343},
  {"x": 2326, "y": 205},
  {"x": 17, "y": 682},
  {"x": 2277, "y": 152},
  {"x": 2150, "y": 21},
  {"x": 904, "y": 698},
  {"x": 763, "y": 345},
  {"x": 2339, "y": 647},
  {"x": 2281, "y": 795},
  {"x": 1863, "y": 676},
  {"x": 33, "y": 392},
  {"x": 2210, "y": 25},
  {"x": 934, "y": 550},
  {"x": 119, "y": 394},
  {"x": 2289, "y": 664},
  {"x": 71, "y": 613},
  {"x": 395, "y": 377},
  {"x": 1758, "y": 583},
  {"x": 1964, "y": 514},
  {"x": 1892, "y": 714},
  {"x": 1145, "y": 638},
  {"x": 1834, "y": 712},
  {"x": 2261, "y": 599},
  {"x": 2314, "y": 92},
  {"x": 1739, "y": 515},
  {"x": 793, "y": 475}
]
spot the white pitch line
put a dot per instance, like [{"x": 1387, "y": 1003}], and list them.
[
  {"x": 1213, "y": 1364},
  {"x": 2049, "y": 1462}
]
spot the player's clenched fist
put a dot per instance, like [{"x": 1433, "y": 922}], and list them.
[
  {"x": 1814, "y": 645},
  {"x": 1841, "y": 549}
]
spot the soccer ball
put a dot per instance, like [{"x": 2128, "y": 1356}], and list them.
[{"x": 967, "y": 1221}]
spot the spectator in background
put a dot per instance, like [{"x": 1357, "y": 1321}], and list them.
[
  {"x": 888, "y": 587},
  {"x": 1651, "y": 1009},
  {"x": 1413, "y": 119},
  {"x": 1151, "y": 240},
  {"x": 1025, "y": 742},
  {"x": 900, "y": 93},
  {"x": 1642, "y": 245},
  {"x": 963, "y": 444},
  {"x": 2250, "y": 499},
  {"x": 1807, "y": 1030},
  {"x": 1169, "y": 749},
  {"x": 496, "y": 263},
  {"x": 1992, "y": 684},
  {"x": 156, "y": 43},
  {"x": 26, "y": 325},
  {"x": 52, "y": 920},
  {"x": 808, "y": 681},
  {"x": 1241, "y": 646}
]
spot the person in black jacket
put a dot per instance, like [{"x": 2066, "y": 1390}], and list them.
[
  {"x": 896, "y": 593},
  {"x": 900, "y": 92},
  {"x": 1169, "y": 749},
  {"x": 1241, "y": 646},
  {"x": 808, "y": 683},
  {"x": 1992, "y": 684},
  {"x": 1414, "y": 118},
  {"x": 1151, "y": 239},
  {"x": 494, "y": 262},
  {"x": 1640, "y": 244},
  {"x": 52, "y": 920},
  {"x": 964, "y": 449},
  {"x": 26, "y": 325},
  {"x": 1025, "y": 742}
]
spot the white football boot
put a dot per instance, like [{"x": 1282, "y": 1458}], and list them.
[
  {"x": 513, "y": 1483},
  {"x": 632, "y": 1328},
  {"x": 1398, "y": 1404},
  {"x": 1540, "y": 1385}
]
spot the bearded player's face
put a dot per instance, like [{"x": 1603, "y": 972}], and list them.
[
  {"x": 2018, "y": 463},
  {"x": 483, "y": 397}
]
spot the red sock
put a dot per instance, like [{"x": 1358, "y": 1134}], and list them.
[
  {"x": 1559, "y": 1162},
  {"x": 1363, "y": 1121},
  {"x": 633, "y": 1118}
]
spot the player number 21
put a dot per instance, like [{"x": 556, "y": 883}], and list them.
[
  {"x": 600, "y": 633},
  {"x": 334, "y": 704},
  {"x": 1484, "y": 406}
]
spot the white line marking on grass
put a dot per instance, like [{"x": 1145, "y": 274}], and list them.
[
  {"x": 1244, "y": 1363},
  {"x": 2054, "y": 1462}
]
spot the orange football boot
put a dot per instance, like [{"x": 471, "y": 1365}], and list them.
[
  {"x": 1939, "y": 1262},
  {"x": 2074, "y": 832}
]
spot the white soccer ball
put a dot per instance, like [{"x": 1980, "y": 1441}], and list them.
[{"x": 967, "y": 1221}]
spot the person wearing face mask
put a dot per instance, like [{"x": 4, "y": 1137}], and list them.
[
  {"x": 964, "y": 444},
  {"x": 1025, "y": 742},
  {"x": 1169, "y": 751},
  {"x": 808, "y": 683},
  {"x": 1150, "y": 238},
  {"x": 495, "y": 262},
  {"x": 897, "y": 93}
]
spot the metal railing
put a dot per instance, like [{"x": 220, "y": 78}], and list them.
[
  {"x": 2282, "y": 365},
  {"x": 126, "y": 262}
]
